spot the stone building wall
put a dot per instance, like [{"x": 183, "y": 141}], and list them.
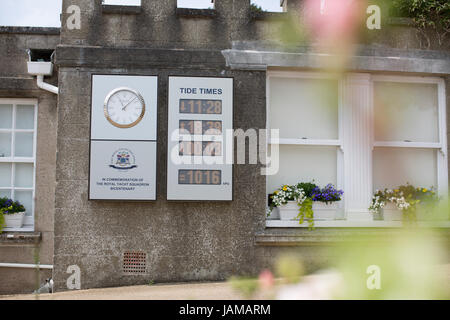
[
  {"x": 183, "y": 240},
  {"x": 15, "y": 82}
]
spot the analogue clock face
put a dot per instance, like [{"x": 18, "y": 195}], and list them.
[{"x": 124, "y": 107}]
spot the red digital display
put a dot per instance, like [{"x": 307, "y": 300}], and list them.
[
  {"x": 208, "y": 177},
  {"x": 199, "y": 106}
]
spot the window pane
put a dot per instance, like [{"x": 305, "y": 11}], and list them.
[
  {"x": 5, "y": 174},
  {"x": 304, "y": 108},
  {"x": 406, "y": 111},
  {"x": 396, "y": 166},
  {"x": 123, "y": 2},
  {"x": 23, "y": 175},
  {"x": 304, "y": 164},
  {"x": 198, "y": 4},
  {"x": 5, "y": 144},
  {"x": 6, "y": 116},
  {"x": 5, "y": 193},
  {"x": 24, "y": 144},
  {"x": 271, "y": 6},
  {"x": 25, "y": 198},
  {"x": 25, "y": 117}
]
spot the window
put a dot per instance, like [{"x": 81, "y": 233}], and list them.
[
  {"x": 196, "y": 4},
  {"x": 18, "y": 120},
  {"x": 269, "y": 5},
  {"x": 409, "y": 135},
  {"x": 306, "y": 108},
  {"x": 122, "y": 2},
  {"x": 360, "y": 132}
]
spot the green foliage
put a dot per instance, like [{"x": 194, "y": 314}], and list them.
[
  {"x": 12, "y": 206},
  {"x": 427, "y": 14},
  {"x": 2, "y": 221},
  {"x": 307, "y": 187},
  {"x": 246, "y": 286},
  {"x": 410, "y": 265},
  {"x": 255, "y": 8},
  {"x": 2, "y": 216},
  {"x": 290, "y": 268},
  {"x": 306, "y": 212}
]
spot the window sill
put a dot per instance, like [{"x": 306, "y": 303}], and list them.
[
  {"x": 19, "y": 237},
  {"x": 23, "y": 229},
  {"x": 115, "y": 9},
  {"x": 196, "y": 13},
  {"x": 332, "y": 235},
  {"x": 353, "y": 224}
]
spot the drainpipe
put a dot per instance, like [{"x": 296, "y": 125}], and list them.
[
  {"x": 26, "y": 265},
  {"x": 41, "y": 84},
  {"x": 41, "y": 69}
]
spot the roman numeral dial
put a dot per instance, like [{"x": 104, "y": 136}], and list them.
[{"x": 124, "y": 107}]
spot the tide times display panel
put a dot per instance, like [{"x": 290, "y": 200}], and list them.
[{"x": 199, "y": 155}]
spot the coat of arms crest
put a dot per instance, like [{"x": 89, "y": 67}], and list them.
[{"x": 123, "y": 159}]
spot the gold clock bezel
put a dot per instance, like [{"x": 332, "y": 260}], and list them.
[{"x": 105, "y": 107}]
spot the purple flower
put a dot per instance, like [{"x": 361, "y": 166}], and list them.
[{"x": 328, "y": 194}]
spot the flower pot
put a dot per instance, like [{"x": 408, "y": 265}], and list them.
[
  {"x": 274, "y": 215},
  {"x": 14, "y": 220},
  {"x": 289, "y": 211},
  {"x": 391, "y": 213},
  {"x": 324, "y": 211}
]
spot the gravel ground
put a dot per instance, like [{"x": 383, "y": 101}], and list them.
[
  {"x": 181, "y": 291},
  {"x": 202, "y": 291}
]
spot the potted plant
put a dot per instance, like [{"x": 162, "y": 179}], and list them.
[
  {"x": 306, "y": 201},
  {"x": 325, "y": 202},
  {"x": 286, "y": 199},
  {"x": 13, "y": 212},
  {"x": 404, "y": 203}
]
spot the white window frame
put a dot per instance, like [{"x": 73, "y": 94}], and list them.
[
  {"x": 441, "y": 146},
  {"x": 29, "y": 220},
  {"x": 313, "y": 142},
  {"x": 345, "y": 88}
]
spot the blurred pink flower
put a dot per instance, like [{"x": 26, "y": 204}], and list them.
[
  {"x": 266, "y": 279},
  {"x": 332, "y": 20}
]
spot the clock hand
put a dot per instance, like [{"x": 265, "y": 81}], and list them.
[
  {"x": 123, "y": 109},
  {"x": 121, "y": 102}
]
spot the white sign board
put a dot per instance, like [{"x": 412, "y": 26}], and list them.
[
  {"x": 123, "y": 170},
  {"x": 123, "y": 137},
  {"x": 199, "y": 156}
]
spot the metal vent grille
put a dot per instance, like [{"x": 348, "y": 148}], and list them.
[{"x": 134, "y": 262}]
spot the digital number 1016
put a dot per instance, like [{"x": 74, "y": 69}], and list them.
[{"x": 209, "y": 177}]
